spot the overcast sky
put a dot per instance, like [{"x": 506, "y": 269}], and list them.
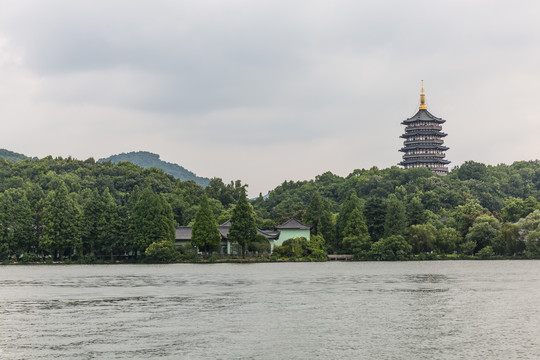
[{"x": 267, "y": 91}]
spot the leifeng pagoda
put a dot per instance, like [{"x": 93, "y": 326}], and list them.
[{"x": 423, "y": 146}]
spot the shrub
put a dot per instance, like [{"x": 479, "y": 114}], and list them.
[
  {"x": 296, "y": 247},
  {"x": 162, "y": 251},
  {"x": 29, "y": 257},
  {"x": 318, "y": 255},
  {"x": 533, "y": 244},
  {"x": 468, "y": 247},
  {"x": 87, "y": 259},
  {"x": 390, "y": 248},
  {"x": 358, "y": 245},
  {"x": 300, "y": 247},
  {"x": 486, "y": 252},
  {"x": 427, "y": 256},
  {"x": 4, "y": 251},
  {"x": 260, "y": 245}
]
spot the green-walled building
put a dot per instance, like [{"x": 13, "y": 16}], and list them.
[{"x": 288, "y": 230}]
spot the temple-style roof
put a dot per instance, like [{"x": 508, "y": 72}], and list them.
[
  {"x": 423, "y": 132},
  {"x": 224, "y": 230},
  {"x": 423, "y": 156},
  {"x": 424, "y": 161},
  {"x": 183, "y": 233},
  {"x": 423, "y": 115},
  {"x": 269, "y": 234},
  {"x": 293, "y": 224},
  {"x": 414, "y": 147}
]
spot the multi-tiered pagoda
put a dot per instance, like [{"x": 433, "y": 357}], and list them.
[{"x": 423, "y": 146}]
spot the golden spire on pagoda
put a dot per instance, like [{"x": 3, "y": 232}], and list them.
[{"x": 423, "y": 98}]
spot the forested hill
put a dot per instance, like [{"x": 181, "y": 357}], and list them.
[
  {"x": 12, "y": 156},
  {"x": 475, "y": 206},
  {"x": 488, "y": 186},
  {"x": 62, "y": 207},
  {"x": 147, "y": 160}
]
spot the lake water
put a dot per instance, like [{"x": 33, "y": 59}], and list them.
[{"x": 361, "y": 310}]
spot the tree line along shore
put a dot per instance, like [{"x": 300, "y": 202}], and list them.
[{"x": 68, "y": 210}]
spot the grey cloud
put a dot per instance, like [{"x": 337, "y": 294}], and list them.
[{"x": 219, "y": 78}]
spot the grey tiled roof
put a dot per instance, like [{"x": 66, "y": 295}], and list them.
[
  {"x": 293, "y": 224},
  {"x": 269, "y": 234},
  {"x": 423, "y": 115},
  {"x": 425, "y": 161},
  {"x": 421, "y": 146},
  {"x": 224, "y": 230},
  {"x": 183, "y": 233},
  {"x": 422, "y": 133}
]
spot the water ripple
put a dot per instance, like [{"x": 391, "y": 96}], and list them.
[{"x": 427, "y": 310}]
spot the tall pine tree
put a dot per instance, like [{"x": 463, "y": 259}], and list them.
[
  {"x": 113, "y": 223},
  {"x": 415, "y": 212},
  {"x": 353, "y": 202},
  {"x": 375, "y": 213},
  {"x": 357, "y": 239},
  {"x": 92, "y": 213},
  {"x": 23, "y": 224},
  {"x": 61, "y": 223},
  {"x": 395, "y": 221},
  {"x": 243, "y": 229},
  {"x": 205, "y": 234},
  {"x": 151, "y": 220},
  {"x": 318, "y": 215}
]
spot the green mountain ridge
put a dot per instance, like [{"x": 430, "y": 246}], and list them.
[
  {"x": 143, "y": 159},
  {"x": 147, "y": 159},
  {"x": 12, "y": 156}
]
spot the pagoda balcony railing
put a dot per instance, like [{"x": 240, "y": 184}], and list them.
[
  {"x": 423, "y": 156},
  {"x": 435, "y": 168},
  {"x": 423, "y": 127},
  {"x": 423, "y": 142}
]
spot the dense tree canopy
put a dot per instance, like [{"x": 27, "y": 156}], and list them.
[
  {"x": 66, "y": 208},
  {"x": 62, "y": 208}
]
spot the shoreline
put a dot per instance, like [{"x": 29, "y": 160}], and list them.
[{"x": 256, "y": 261}]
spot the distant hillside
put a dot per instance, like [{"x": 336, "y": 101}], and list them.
[
  {"x": 13, "y": 156},
  {"x": 147, "y": 159}
]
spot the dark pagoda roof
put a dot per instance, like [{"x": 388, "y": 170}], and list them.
[
  {"x": 423, "y": 115},
  {"x": 413, "y": 147},
  {"x": 293, "y": 224},
  {"x": 423, "y": 132},
  {"x": 424, "y": 161}
]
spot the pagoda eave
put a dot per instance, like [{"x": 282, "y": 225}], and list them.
[
  {"x": 424, "y": 133},
  {"x": 415, "y": 147},
  {"x": 425, "y": 161}
]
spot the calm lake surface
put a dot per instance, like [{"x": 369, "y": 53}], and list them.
[{"x": 364, "y": 310}]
